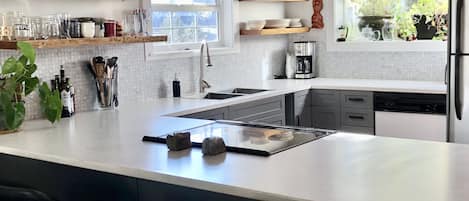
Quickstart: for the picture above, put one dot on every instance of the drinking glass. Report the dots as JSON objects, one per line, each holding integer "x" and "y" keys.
{"x": 22, "y": 26}
{"x": 54, "y": 26}
{"x": 45, "y": 28}
{"x": 36, "y": 28}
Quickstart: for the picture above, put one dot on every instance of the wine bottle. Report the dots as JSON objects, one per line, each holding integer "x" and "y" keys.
{"x": 72, "y": 95}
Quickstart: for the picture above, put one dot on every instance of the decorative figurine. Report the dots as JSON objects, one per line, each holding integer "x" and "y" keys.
{"x": 317, "y": 19}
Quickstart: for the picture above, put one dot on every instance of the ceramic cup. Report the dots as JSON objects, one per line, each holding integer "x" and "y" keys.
{"x": 87, "y": 29}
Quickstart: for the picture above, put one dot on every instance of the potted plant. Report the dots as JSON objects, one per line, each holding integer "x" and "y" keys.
{"x": 16, "y": 82}
{"x": 405, "y": 24}
{"x": 373, "y": 12}
{"x": 430, "y": 18}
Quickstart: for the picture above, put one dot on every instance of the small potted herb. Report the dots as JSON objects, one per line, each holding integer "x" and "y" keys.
{"x": 16, "y": 82}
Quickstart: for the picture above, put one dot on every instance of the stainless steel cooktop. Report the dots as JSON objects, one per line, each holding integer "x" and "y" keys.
{"x": 257, "y": 139}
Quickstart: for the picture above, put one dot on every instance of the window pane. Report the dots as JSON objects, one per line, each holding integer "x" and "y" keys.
{"x": 166, "y": 32}
{"x": 205, "y": 19}
{"x": 185, "y": 2}
{"x": 185, "y": 35}
{"x": 161, "y": 19}
{"x": 183, "y": 19}
{"x": 208, "y": 34}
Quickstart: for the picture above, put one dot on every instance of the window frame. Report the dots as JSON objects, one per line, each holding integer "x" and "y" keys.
{"x": 228, "y": 38}
{"x": 382, "y": 46}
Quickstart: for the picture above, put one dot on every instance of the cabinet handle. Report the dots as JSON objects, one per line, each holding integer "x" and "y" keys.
{"x": 297, "y": 120}
{"x": 356, "y": 99}
{"x": 356, "y": 117}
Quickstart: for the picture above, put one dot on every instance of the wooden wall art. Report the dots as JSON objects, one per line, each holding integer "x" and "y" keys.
{"x": 317, "y": 19}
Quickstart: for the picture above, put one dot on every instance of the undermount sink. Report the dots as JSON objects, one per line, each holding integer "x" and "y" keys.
{"x": 245, "y": 91}
{"x": 220, "y": 96}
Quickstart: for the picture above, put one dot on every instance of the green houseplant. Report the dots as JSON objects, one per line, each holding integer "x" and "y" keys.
{"x": 429, "y": 18}
{"x": 373, "y": 12}
{"x": 16, "y": 82}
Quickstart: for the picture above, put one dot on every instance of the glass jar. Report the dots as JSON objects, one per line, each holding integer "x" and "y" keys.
{"x": 22, "y": 27}
{"x": 388, "y": 30}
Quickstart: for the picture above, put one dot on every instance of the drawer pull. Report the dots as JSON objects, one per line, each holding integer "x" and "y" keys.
{"x": 356, "y": 99}
{"x": 356, "y": 117}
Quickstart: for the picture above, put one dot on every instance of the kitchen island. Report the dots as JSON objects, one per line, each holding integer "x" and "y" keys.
{"x": 335, "y": 168}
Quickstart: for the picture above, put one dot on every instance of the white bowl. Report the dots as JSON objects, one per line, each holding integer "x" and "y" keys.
{"x": 255, "y": 24}
{"x": 277, "y": 23}
{"x": 295, "y": 22}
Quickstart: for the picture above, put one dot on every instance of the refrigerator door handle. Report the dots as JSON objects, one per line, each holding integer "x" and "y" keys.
{"x": 457, "y": 87}
{"x": 458, "y": 24}
{"x": 446, "y": 74}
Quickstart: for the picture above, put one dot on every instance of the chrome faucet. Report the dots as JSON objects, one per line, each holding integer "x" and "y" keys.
{"x": 202, "y": 83}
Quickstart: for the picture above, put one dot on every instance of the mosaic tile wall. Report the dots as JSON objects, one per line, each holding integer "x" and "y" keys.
{"x": 259, "y": 58}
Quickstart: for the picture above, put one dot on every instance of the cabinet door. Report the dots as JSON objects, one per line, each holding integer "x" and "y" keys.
{"x": 256, "y": 110}
{"x": 216, "y": 114}
{"x": 328, "y": 98}
{"x": 326, "y": 117}
{"x": 302, "y": 109}
{"x": 275, "y": 120}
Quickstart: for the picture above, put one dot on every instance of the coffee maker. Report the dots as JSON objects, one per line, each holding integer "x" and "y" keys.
{"x": 305, "y": 57}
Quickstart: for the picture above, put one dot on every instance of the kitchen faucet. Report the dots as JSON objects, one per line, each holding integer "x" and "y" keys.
{"x": 202, "y": 83}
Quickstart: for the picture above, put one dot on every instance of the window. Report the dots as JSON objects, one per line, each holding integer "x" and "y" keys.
{"x": 387, "y": 25}
{"x": 391, "y": 20}
{"x": 188, "y": 22}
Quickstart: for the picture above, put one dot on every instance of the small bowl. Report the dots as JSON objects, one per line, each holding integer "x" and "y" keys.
{"x": 295, "y": 22}
{"x": 255, "y": 24}
{"x": 277, "y": 23}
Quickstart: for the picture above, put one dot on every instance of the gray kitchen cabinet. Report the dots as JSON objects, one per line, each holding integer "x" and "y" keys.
{"x": 215, "y": 114}
{"x": 269, "y": 110}
{"x": 298, "y": 109}
{"x": 257, "y": 111}
{"x": 325, "y": 117}
{"x": 357, "y": 113}
{"x": 350, "y": 111}
{"x": 325, "y": 109}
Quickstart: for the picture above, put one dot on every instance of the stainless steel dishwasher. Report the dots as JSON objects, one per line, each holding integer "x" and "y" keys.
{"x": 409, "y": 115}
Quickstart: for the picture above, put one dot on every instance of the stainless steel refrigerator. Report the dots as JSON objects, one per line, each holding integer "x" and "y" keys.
{"x": 458, "y": 72}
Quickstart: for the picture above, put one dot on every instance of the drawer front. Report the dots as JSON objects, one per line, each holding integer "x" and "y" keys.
{"x": 255, "y": 109}
{"x": 357, "y": 99}
{"x": 358, "y": 130}
{"x": 325, "y": 98}
{"x": 275, "y": 120}
{"x": 325, "y": 117}
{"x": 216, "y": 114}
{"x": 359, "y": 118}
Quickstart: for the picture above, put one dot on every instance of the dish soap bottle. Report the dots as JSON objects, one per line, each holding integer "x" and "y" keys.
{"x": 176, "y": 87}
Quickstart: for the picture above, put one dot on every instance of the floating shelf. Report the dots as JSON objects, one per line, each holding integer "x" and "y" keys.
{"x": 265, "y": 32}
{"x": 76, "y": 42}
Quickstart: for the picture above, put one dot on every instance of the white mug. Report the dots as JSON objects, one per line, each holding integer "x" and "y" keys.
{"x": 87, "y": 29}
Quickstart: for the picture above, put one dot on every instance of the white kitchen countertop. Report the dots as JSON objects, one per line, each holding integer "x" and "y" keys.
{"x": 338, "y": 167}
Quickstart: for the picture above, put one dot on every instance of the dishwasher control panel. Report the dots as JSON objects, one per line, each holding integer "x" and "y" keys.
{"x": 410, "y": 103}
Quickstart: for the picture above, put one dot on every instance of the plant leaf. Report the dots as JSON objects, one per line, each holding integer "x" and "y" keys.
{"x": 50, "y": 103}
{"x": 43, "y": 91}
{"x": 24, "y": 60}
{"x": 30, "y": 84}
{"x": 28, "y": 51}
{"x": 14, "y": 113}
{"x": 9, "y": 66}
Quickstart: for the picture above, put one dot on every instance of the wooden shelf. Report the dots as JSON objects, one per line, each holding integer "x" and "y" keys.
{"x": 76, "y": 42}
{"x": 265, "y": 32}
